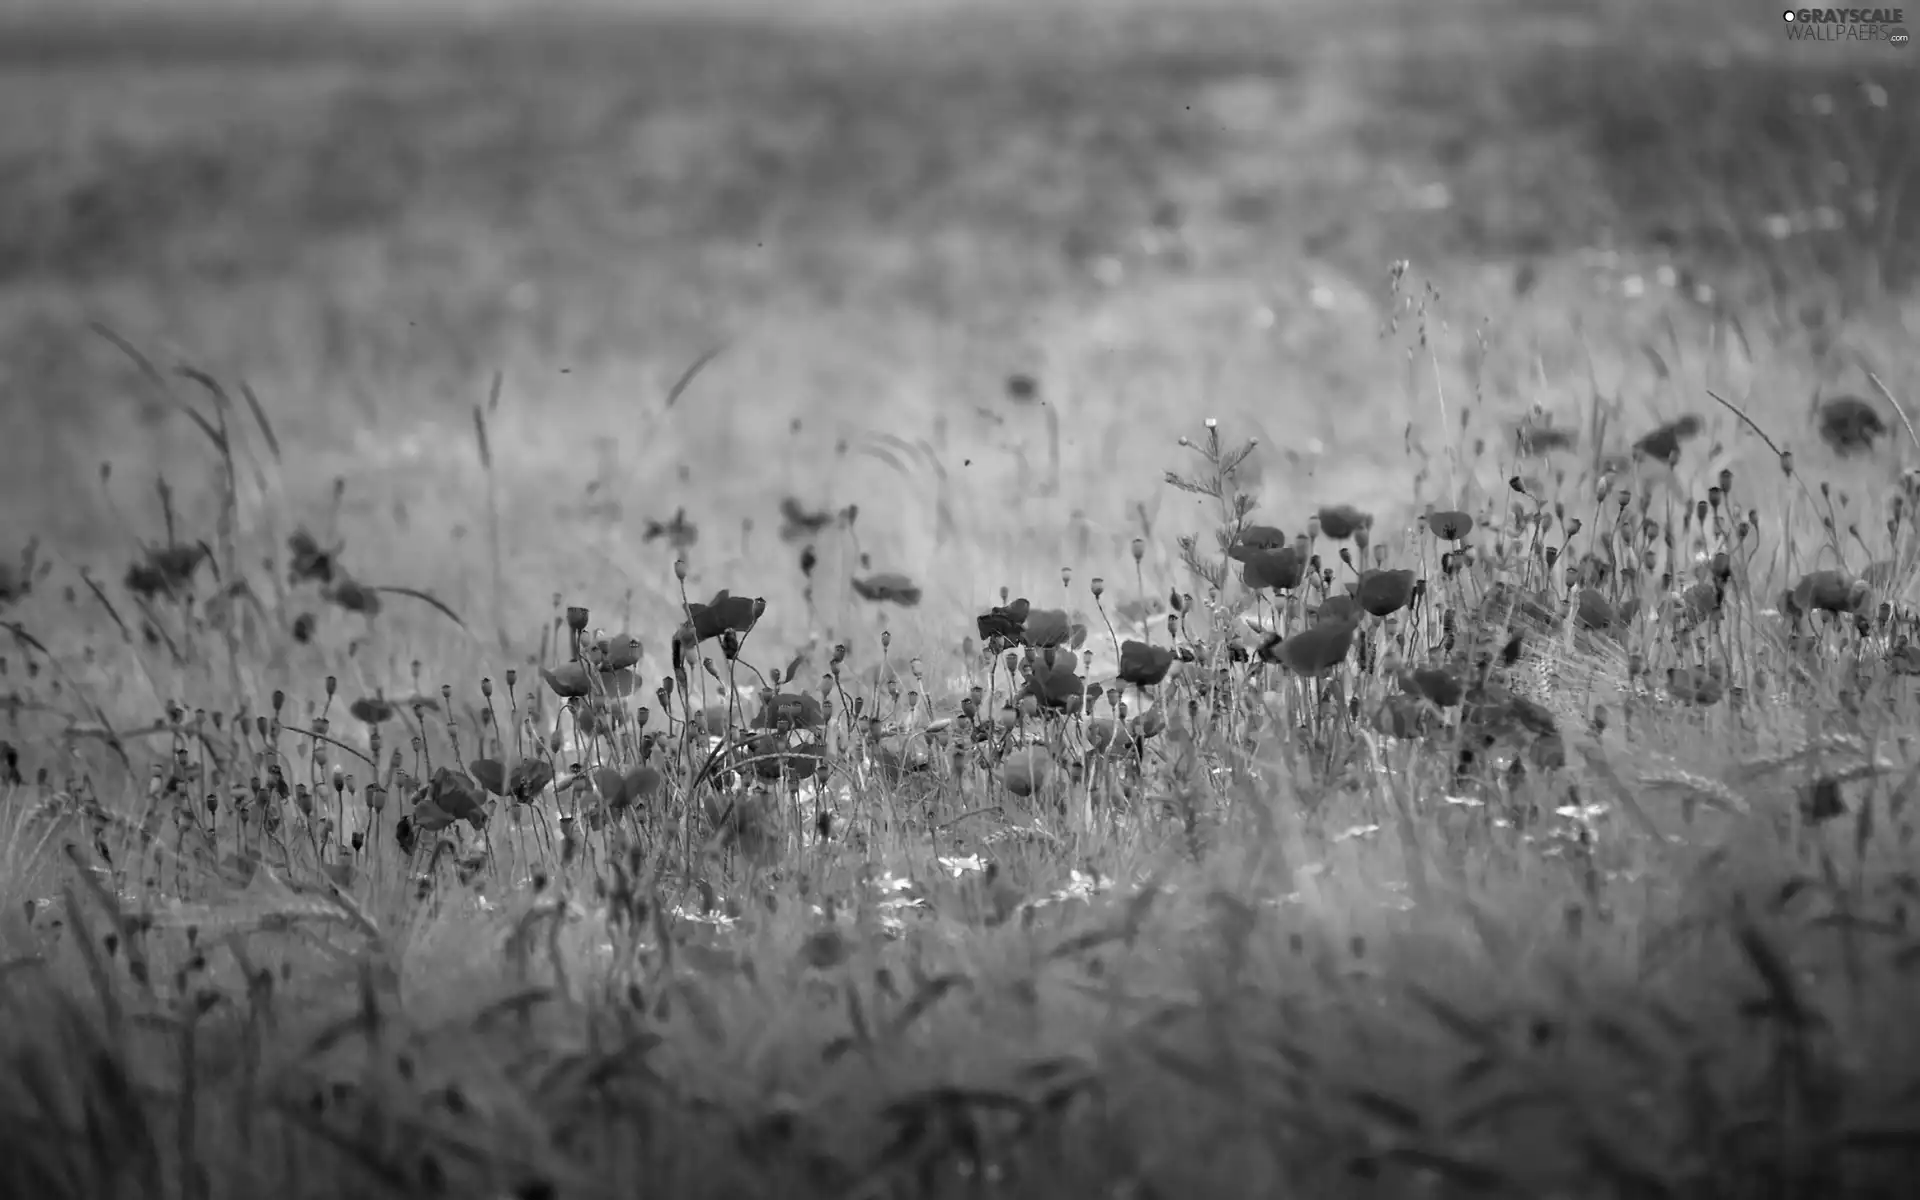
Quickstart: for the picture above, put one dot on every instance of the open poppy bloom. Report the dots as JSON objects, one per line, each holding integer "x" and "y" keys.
{"x": 724, "y": 613}
{"x": 1007, "y": 622}
{"x": 1143, "y": 665}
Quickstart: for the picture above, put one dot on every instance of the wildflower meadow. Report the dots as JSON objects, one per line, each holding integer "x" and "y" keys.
{"x": 1122, "y": 603}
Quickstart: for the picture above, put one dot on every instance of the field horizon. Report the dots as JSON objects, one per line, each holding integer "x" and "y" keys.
{"x": 1288, "y": 600}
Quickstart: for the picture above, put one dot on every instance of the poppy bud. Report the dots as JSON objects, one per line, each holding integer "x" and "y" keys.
{"x": 339, "y": 779}
{"x": 886, "y": 639}
{"x": 279, "y": 701}
{"x": 1066, "y": 577}
{"x": 332, "y": 685}
{"x": 513, "y": 677}
{"x": 576, "y": 618}
{"x": 1139, "y": 549}
{"x": 1098, "y": 587}
{"x": 486, "y": 687}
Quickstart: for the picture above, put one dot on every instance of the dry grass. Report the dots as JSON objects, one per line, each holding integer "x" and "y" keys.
{"x": 340, "y": 855}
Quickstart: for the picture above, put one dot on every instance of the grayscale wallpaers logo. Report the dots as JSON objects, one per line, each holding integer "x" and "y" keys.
{"x": 1887, "y": 25}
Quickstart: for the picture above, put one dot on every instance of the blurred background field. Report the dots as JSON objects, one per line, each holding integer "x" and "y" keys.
{"x": 878, "y": 214}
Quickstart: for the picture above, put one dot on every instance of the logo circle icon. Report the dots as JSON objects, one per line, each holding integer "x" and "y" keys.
{"x": 1789, "y": 16}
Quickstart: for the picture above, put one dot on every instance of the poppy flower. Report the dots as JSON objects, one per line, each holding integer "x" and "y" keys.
{"x": 1383, "y": 592}
{"x": 750, "y": 823}
{"x": 354, "y": 596}
{"x": 904, "y": 754}
{"x": 456, "y": 794}
{"x": 1822, "y": 800}
{"x": 1143, "y": 665}
{"x": 1533, "y": 716}
{"x": 1452, "y": 526}
{"x": 1313, "y": 651}
{"x": 1549, "y": 753}
{"x": 679, "y": 532}
{"x": 1048, "y": 627}
{"x": 1052, "y": 681}
{"x": 1150, "y": 723}
{"x": 798, "y": 522}
{"x": 889, "y": 587}
{"x": 1101, "y": 732}
{"x": 1696, "y": 685}
{"x": 371, "y": 710}
{"x": 799, "y": 710}
{"x": 1026, "y": 771}
{"x": 1439, "y": 685}
{"x": 1826, "y": 591}
{"x": 490, "y": 775}
{"x": 776, "y": 757}
{"x": 426, "y": 816}
{"x": 607, "y": 783}
{"x": 1255, "y": 538}
{"x": 1405, "y": 715}
{"x": 1593, "y": 611}
{"x": 165, "y": 569}
{"x": 617, "y": 684}
{"x": 568, "y": 680}
{"x": 615, "y": 651}
{"x": 1543, "y": 439}
{"x": 1282, "y": 569}
{"x": 640, "y": 784}
{"x": 1342, "y": 521}
{"x": 1663, "y": 444}
{"x": 1006, "y": 622}
{"x": 1339, "y": 608}
{"x": 724, "y": 613}
{"x": 1904, "y": 659}
{"x": 1699, "y": 602}
{"x": 529, "y": 777}
{"x": 1850, "y": 425}
{"x": 308, "y": 561}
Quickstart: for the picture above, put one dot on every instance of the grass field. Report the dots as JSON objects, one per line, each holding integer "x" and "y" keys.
{"x": 1048, "y": 824}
